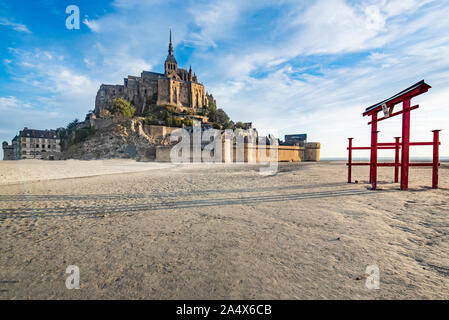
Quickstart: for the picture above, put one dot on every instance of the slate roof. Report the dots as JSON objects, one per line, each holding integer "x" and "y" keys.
{"x": 32, "y": 133}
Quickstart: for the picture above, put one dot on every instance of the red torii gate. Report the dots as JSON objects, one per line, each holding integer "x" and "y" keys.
{"x": 387, "y": 107}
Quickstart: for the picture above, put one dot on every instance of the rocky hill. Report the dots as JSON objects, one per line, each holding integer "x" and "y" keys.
{"x": 122, "y": 138}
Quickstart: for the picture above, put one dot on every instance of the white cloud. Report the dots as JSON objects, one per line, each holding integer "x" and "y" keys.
{"x": 16, "y": 26}
{"x": 335, "y": 26}
{"x": 133, "y": 3}
{"x": 12, "y": 103}
{"x": 92, "y": 25}
{"x": 215, "y": 20}
{"x": 374, "y": 18}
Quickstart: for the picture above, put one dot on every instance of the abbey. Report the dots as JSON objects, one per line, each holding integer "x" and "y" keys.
{"x": 176, "y": 87}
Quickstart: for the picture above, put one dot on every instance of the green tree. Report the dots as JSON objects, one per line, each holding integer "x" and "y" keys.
{"x": 83, "y": 134}
{"x": 222, "y": 118}
{"x": 240, "y": 125}
{"x": 151, "y": 119}
{"x": 177, "y": 122}
{"x": 188, "y": 122}
{"x": 218, "y": 117}
{"x": 122, "y": 107}
{"x": 211, "y": 111}
{"x": 72, "y": 125}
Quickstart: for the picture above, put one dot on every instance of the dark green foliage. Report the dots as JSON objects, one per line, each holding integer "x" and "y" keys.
{"x": 188, "y": 122}
{"x": 240, "y": 125}
{"x": 83, "y": 134}
{"x": 122, "y": 107}
{"x": 151, "y": 120}
{"x": 218, "y": 117}
{"x": 211, "y": 111}
{"x": 222, "y": 118}
{"x": 72, "y": 125}
{"x": 167, "y": 116}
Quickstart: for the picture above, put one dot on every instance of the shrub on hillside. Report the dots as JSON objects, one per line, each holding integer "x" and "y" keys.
{"x": 122, "y": 107}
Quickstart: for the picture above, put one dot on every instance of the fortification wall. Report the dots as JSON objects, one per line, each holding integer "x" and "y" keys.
{"x": 312, "y": 151}
{"x": 160, "y": 132}
{"x": 248, "y": 153}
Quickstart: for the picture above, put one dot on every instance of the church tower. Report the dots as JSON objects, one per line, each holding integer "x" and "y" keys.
{"x": 171, "y": 66}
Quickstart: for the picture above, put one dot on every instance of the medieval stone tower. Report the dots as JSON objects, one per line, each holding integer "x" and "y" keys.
{"x": 176, "y": 87}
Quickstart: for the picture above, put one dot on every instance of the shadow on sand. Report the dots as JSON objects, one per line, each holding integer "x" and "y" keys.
{"x": 162, "y": 201}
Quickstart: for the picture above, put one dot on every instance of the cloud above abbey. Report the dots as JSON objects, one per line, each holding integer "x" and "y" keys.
{"x": 298, "y": 66}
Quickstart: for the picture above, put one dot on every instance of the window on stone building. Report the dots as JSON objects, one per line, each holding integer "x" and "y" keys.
{"x": 37, "y": 146}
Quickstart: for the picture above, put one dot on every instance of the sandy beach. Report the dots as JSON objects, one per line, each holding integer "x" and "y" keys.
{"x": 162, "y": 231}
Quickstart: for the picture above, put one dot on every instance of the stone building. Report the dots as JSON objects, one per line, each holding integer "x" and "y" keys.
{"x": 33, "y": 144}
{"x": 8, "y": 151}
{"x": 295, "y": 139}
{"x": 175, "y": 87}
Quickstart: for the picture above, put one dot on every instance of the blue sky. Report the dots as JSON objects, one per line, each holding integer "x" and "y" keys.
{"x": 288, "y": 66}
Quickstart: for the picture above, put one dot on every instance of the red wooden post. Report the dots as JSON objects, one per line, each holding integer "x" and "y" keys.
{"x": 350, "y": 160}
{"x": 436, "y": 146}
{"x": 373, "y": 157}
{"x": 396, "y": 160}
{"x": 405, "y": 155}
{"x": 374, "y": 181}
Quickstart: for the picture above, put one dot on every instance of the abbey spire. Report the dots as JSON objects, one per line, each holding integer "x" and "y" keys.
{"x": 170, "y": 46}
{"x": 171, "y": 65}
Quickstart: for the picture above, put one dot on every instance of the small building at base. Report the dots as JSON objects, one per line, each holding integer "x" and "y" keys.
{"x": 33, "y": 144}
